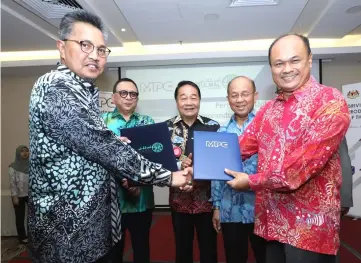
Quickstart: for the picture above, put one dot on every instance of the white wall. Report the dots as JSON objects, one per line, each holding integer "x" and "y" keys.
{"x": 338, "y": 73}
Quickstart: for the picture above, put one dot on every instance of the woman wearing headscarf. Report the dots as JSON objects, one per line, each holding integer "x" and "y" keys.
{"x": 19, "y": 177}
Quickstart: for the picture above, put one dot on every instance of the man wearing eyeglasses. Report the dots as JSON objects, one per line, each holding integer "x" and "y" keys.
{"x": 74, "y": 214}
{"x": 233, "y": 211}
{"x": 136, "y": 203}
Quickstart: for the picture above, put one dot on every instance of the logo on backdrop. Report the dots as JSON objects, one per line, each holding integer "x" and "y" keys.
{"x": 228, "y": 78}
{"x": 169, "y": 86}
{"x": 105, "y": 102}
{"x": 353, "y": 94}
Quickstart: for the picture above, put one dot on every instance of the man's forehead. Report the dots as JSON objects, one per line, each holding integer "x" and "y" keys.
{"x": 241, "y": 83}
{"x": 186, "y": 89}
{"x": 127, "y": 85}
{"x": 89, "y": 32}
{"x": 288, "y": 47}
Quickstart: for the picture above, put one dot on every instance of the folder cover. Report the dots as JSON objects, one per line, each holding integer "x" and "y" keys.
{"x": 154, "y": 143}
{"x": 213, "y": 152}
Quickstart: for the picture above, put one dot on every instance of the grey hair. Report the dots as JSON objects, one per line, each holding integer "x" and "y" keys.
{"x": 67, "y": 22}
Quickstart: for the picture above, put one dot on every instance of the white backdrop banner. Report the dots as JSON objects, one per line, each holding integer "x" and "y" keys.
{"x": 105, "y": 101}
{"x": 352, "y": 93}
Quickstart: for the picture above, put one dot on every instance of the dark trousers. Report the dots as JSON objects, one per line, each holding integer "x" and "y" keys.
{"x": 20, "y": 217}
{"x": 277, "y": 252}
{"x": 138, "y": 225}
{"x": 235, "y": 239}
{"x": 183, "y": 226}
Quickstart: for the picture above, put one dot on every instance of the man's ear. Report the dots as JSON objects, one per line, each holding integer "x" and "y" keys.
{"x": 255, "y": 97}
{"x": 61, "y": 47}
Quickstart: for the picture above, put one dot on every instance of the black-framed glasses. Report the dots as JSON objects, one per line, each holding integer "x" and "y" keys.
{"x": 88, "y": 47}
{"x": 124, "y": 94}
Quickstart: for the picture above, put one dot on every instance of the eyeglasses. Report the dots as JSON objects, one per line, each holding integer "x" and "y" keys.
{"x": 124, "y": 94}
{"x": 244, "y": 95}
{"x": 88, "y": 47}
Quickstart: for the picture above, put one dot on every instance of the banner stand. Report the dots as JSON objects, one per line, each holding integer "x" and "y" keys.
{"x": 352, "y": 94}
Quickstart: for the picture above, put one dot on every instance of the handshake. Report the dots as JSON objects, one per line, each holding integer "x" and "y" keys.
{"x": 181, "y": 179}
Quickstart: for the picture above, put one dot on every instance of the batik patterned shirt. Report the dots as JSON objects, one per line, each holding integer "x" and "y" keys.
{"x": 235, "y": 206}
{"x": 197, "y": 200}
{"x": 74, "y": 158}
{"x": 128, "y": 203}
{"x": 298, "y": 179}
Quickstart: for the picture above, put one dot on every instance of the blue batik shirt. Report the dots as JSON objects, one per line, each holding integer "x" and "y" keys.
{"x": 235, "y": 206}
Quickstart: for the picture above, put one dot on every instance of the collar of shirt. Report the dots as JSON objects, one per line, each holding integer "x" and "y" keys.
{"x": 85, "y": 83}
{"x": 179, "y": 118}
{"x": 117, "y": 114}
{"x": 63, "y": 68}
{"x": 302, "y": 91}
{"x": 233, "y": 121}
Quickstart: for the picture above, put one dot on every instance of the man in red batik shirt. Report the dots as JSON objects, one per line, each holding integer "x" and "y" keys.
{"x": 297, "y": 136}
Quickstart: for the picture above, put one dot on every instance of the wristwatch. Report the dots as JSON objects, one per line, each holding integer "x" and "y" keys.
{"x": 215, "y": 207}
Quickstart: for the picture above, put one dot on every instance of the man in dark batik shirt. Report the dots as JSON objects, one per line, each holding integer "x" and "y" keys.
{"x": 74, "y": 214}
{"x": 191, "y": 209}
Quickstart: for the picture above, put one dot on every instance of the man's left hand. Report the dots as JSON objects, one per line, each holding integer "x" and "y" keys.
{"x": 240, "y": 181}
{"x": 134, "y": 191}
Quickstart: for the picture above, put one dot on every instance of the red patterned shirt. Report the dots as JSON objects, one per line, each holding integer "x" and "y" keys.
{"x": 299, "y": 174}
{"x": 196, "y": 201}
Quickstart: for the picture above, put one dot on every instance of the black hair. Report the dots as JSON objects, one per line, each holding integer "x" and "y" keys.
{"x": 186, "y": 82}
{"x": 123, "y": 80}
{"x": 69, "y": 19}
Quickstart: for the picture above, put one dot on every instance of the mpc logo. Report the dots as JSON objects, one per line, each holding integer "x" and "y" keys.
{"x": 216, "y": 144}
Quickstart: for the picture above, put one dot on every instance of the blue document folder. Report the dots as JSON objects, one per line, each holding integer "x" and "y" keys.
{"x": 154, "y": 143}
{"x": 213, "y": 152}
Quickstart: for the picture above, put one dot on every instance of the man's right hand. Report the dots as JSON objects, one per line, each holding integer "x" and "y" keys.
{"x": 125, "y": 183}
{"x": 183, "y": 179}
{"x": 15, "y": 200}
{"x": 216, "y": 220}
{"x": 187, "y": 162}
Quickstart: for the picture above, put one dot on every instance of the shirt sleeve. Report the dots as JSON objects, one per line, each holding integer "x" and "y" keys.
{"x": 216, "y": 192}
{"x": 69, "y": 120}
{"x": 248, "y": 141}
{"x": 150, "y": 120}
{"x": 13, "y": 186}
{"x": 321, "y": 141}
{"x": 250, "y": 164}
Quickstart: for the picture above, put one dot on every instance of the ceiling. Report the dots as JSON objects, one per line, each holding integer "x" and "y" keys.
{"x": 153, "y": 22}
